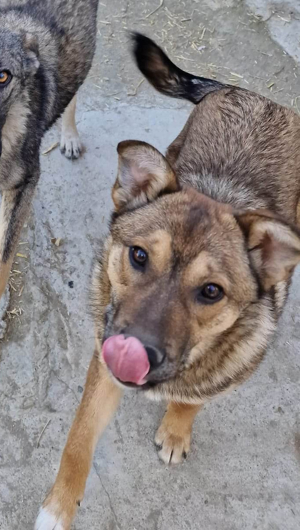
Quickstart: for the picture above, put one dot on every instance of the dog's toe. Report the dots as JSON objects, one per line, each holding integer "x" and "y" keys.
{"x": 71, "y": 146}
{"x": 172, "y": 448}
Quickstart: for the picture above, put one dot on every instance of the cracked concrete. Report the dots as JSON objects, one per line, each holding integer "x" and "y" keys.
{"x": 244, "y": 468}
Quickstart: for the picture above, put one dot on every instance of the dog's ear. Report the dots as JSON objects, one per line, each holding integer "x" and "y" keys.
{"x": 143, "y": 175}
{"x": 273, "y": 245}
{"x": 31, "y": 49}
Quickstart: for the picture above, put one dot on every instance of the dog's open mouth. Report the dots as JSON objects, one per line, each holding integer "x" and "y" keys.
{"x": 127, "y": 359}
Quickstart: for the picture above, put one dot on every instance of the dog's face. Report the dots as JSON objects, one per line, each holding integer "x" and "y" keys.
{"x": 181, "y": 269}
{"x": 18, "y": 63}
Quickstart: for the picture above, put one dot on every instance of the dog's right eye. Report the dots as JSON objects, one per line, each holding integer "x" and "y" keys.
{"x": 138, "y": 257}
{"x": 210, "y": 293}
{"x": 5, "y": 78}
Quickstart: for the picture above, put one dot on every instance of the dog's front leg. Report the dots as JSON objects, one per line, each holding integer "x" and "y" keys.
{"x": 99, "y": 402}
{"x": 15, "y": 207}
{"x": 173, "y": 437}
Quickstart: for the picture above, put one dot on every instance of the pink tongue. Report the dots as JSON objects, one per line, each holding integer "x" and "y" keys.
{"x": 126, "y": 358}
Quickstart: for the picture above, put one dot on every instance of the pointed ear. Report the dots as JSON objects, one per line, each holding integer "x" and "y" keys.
{"x": 273, "y": 245}
{"x": 31, "y": 47}
{"x": 143, "y": 174}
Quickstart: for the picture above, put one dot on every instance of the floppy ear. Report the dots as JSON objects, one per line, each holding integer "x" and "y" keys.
{"x": 274, "y": 246}
{"x": 31, "y": 48}
{"x": 143, "y": 174}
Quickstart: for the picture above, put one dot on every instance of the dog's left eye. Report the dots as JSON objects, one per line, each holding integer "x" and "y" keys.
{"x": 138, "y": 257}
{"x": 5, "y": 78}
{"x": 210, "y": 293}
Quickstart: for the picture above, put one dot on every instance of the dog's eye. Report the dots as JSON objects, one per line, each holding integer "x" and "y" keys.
{"x": 138, "y": 257}
{"x": 210, "y": 293}
{"x": 5, "y": 77}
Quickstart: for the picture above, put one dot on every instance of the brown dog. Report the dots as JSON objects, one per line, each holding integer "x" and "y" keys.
{"x": 195, "y": 271}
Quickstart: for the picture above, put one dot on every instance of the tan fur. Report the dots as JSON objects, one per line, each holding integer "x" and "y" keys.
{"x": 4, "y": 275}
{"x": 173, "y": 437}
{"x": 13, "y": 131}
{"x": 99, "y": 401}
{"x": 7, "y": 205}
{"x": 160, "y": 244}
{"x": 70, "y": 142}
{"x": 69, "y": 122}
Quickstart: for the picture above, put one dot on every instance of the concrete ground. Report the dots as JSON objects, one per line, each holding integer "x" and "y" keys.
{"x": 244, "y": 468}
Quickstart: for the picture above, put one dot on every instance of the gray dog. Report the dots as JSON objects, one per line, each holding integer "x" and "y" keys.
{"x": 47, "y": 47}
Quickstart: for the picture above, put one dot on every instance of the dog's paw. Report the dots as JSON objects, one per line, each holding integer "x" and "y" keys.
{"x": 57, "y": 513}
{"x": 48, "y": 521}
{"x": 172, "y": 445}
{"x": 70, "y": 144}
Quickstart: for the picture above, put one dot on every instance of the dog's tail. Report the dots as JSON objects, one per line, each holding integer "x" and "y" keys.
{"x": 165, "y": 76}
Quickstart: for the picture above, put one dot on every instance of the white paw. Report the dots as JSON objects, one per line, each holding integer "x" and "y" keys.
{"x": 70, "y": 144}
{"x": 47, "y": 521}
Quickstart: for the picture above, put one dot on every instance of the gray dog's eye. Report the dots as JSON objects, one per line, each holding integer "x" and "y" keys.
{"x": 138, "y": 257}
{"x": 5, "y": 78}
{"x": 210, "y": 293}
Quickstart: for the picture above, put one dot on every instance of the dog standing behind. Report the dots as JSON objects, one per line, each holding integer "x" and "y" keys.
{"x": 195, "y": 271}
{"x": 47, "y": 47}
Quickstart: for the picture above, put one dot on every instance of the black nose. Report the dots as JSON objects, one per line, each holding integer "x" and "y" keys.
{"x": 155, "y": 356}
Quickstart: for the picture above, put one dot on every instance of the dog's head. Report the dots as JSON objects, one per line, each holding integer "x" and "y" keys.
{"x": 18, "y": 64}
{"x": 180, "y": 270}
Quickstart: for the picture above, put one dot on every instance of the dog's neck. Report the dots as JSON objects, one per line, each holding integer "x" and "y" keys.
{"x": 15, "y": 126}
{"x": 223, "y": 190}
{"x": 13, "y": 135}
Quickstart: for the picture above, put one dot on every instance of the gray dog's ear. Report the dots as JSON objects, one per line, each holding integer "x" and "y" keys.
{"x": 144, "y": 173}
{"x": 273, "y": 245}
{"x": 31, "y": 49}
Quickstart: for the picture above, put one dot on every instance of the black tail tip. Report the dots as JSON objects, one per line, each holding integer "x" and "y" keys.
{"x": 144, "y": 49}
{"x": 151, "y": 60}
{"x": 140, "y": 41}
{"x": 164, "y": 75}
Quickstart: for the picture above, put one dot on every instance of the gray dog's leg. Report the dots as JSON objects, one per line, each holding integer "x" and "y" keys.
{"x": 70, "y": 143}
{"x": 15, "y": 207}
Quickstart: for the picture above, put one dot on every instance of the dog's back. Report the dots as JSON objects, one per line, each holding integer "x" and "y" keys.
{"x": 233, "y": 156}
{"x": 228, "y": 149}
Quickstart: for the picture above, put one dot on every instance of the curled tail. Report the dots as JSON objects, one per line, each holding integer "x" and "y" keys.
{"x": 165, "y": 76}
